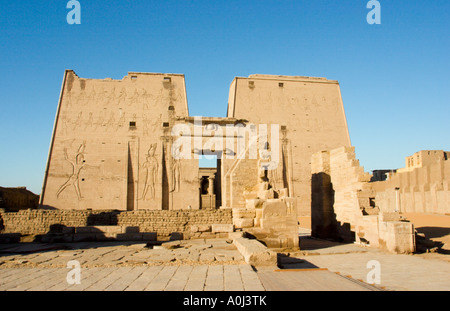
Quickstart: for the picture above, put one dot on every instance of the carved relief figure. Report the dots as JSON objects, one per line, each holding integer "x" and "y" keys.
{"x": 122, "y": 96}
{"x": 112, "y": 96}
{"x": 92, "y": 97}
{"x": 77, "y": 165}
{"x": 78, "y": 121}
{"x": 99, "y": 121}
{"x": 121, "y": 122}
{"x": 133, "y": 100}
{"x": 111, "y": 121}
{"x": 89, "y": 122}
{"x": 151, "y": 172}
{"x": 81, "y": 99}
{"x": 176, "y": 171}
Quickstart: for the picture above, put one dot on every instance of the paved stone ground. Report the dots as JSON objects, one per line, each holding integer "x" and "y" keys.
{"x": 138, "y": 278}
{"x": 213, "y": 265}
{"x": 418, "y": 272}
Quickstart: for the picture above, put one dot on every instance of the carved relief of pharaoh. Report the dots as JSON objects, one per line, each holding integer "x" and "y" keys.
{"x": 150, "y": 167}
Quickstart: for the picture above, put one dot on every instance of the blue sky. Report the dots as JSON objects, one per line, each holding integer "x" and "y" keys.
{"x": 394, "y": 77}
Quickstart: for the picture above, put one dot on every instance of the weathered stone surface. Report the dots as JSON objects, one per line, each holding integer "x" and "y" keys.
{"x": 253, "y": 203}
{"x": 266, "y": 194}
{"x": 207, "y": 257}
{"x": 152, "y": 225}
{"x": 243, "y": 222}
{"x": 235, "y": 235}
{"x": 222, "y": 228}
{"x": 243, "y": 212}
{"x": 172, "y": 245}
{"x": 255, "y": 253}
{"x": 342, "y": 195}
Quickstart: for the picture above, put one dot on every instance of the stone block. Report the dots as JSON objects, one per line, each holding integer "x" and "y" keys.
{"x": 207, "y": 257}
{"x": 389, "y": 216}
{"x": 204, "y": 228}
{"x": 172, "y": 245}
{"x": 130, "y": 229}
{"x": 244, "y": 212}
{"x": 149, "y": 236}
{"x": 258, "y": 216}
{"x": 283, "y": 193}
{"x": 248, "y": 195}
{"x": 253, "y": 203}
{"x": 208, "y": 235}
{"x": 242, "y": 223}
{"x": 222, "y": 228}
{"x": 400, "y": 237}
{"x": 194, "y": 229}
{"x": 174, "y": 236}
{"x": 129, "y": 236}
{"x": 255, "y": 253}
{"x": 235, "y": 235}
{"x": 266, "y": 194}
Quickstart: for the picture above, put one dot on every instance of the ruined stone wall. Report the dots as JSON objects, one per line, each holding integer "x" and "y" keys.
{"x": 344, "y": 206}
{"x": 337, "y": 181}
{"x": 423, "y": 189}
{"x": 311, "y": 117}
{"x": 163, "y": 223}
{"x": 15, "y": 199}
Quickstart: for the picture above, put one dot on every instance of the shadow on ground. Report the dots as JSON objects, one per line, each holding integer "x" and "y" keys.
{"x": 287, "y": 262}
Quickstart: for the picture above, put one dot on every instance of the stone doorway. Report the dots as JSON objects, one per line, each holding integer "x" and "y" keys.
{"x": 209, "y": 177}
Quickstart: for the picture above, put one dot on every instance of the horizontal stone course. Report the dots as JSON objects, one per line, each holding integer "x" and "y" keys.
{"x": 161, "y": 222}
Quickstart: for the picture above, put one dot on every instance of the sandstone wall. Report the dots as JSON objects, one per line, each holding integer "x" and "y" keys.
{"x": 15, "y": 199}
{"x": 423, "y": 189}
{"x": 194, "y": 223}
{"x": 111, "y": 145}
{"x": 344, "y": 205}
{"x": 311, "y": 117}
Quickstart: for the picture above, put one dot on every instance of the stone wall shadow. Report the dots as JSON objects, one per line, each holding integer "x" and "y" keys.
{"x": 109, "y": 218}
{"x": 1, "y": 223}
{"x": 432, "y": 232}
{"x": 324, "y": 223}
{"x": 286, "y": 262}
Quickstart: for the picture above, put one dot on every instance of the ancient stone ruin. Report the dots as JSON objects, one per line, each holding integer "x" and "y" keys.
{"x": 131, "y": 145}
{"x": 124, "y": 164}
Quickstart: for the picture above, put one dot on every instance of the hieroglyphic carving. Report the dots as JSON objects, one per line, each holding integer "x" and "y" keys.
{"x": 145, "y": 122}
{"x": 68, "y": 99}
{"x": 134, "y": 99}
{"x": 99, "y": 121}
{"x": 78, "y": 164}
{"x": 92, "y": 97}
{"x": 81, "y": 99}
{"x": 111, "y": 121}
{"x": 89, "y": 122}
{"x": 122, "y": 98}
{"x": 111, "y": 97}
{"x": 151, "y": 172}
{"x": 121, "y": 122}
{"x": 78, "y": 121}
{"x": 65, "y": 124}
{"x": 176, "y": 170}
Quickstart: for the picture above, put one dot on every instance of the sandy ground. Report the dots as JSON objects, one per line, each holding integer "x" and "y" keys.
{"x": 305, "y": 222}
{"x": 435, "y": 227}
